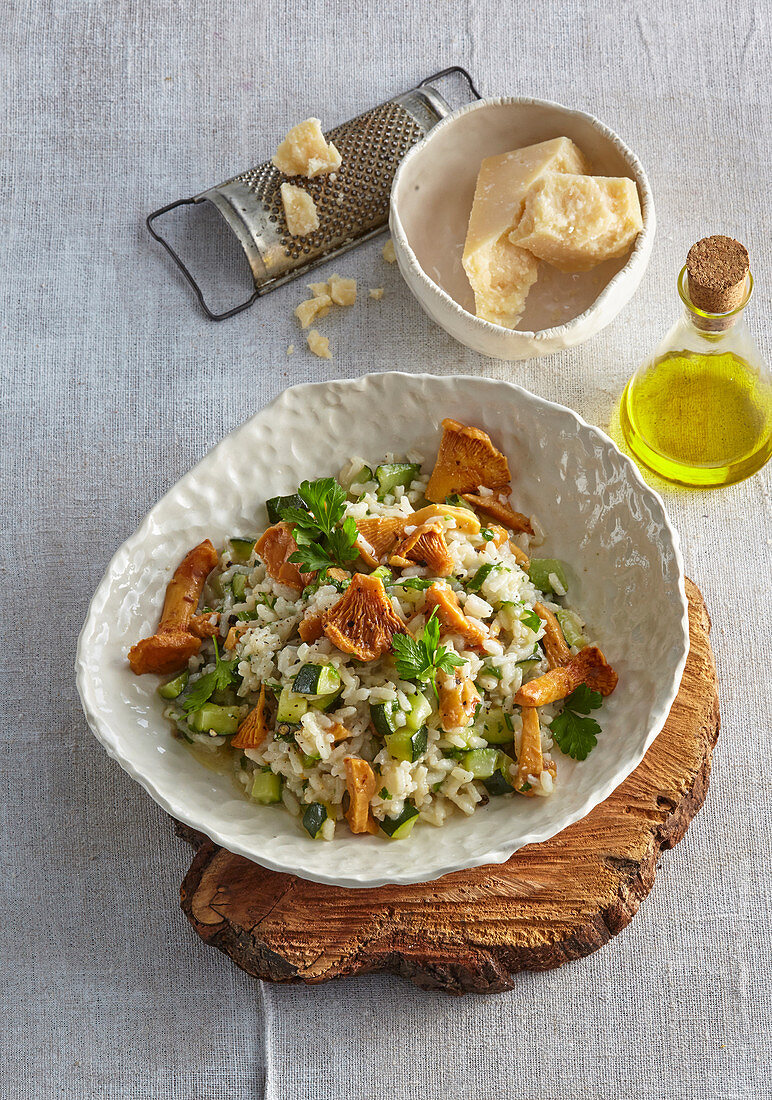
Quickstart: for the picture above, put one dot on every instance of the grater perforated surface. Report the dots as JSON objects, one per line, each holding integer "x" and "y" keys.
{"x": 352, "y": 201}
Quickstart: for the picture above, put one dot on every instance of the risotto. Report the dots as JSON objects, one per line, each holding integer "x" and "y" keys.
{"x": 388, "y": 650}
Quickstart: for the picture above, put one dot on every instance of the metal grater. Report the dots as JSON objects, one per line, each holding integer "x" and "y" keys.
{"x": 353, "y": 206}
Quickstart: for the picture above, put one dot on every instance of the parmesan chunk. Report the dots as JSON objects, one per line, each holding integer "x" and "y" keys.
{"x": 575, "y": 222}
{"x": 388, "y": 252}
{"x": 290, "y": 349}
{"x": 309, "y": 310}
{"x": 377, "y": 293}
{"x": 319, "y": 345}
{"x": 299, "y": 210}
{"x": 500, "y": 272}
{"x": 342, "y": 291}
{"x": 317, "y": 289}
{"x": 305, "y": 152}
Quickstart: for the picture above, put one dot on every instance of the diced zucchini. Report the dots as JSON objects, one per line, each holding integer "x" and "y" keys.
{"x": 400, "y": 827}
{"x": 172, "y": 688}
{"x": 325, "y": 702}
{"x": 407, "y": 744}
{"x": 214, "y": 719}
{"x": 241, "y": 549}
{"x": 225, "y": 697}
{"x": 482, "y": 574}
{"x": 382, "y": 717}
{"x": 292, "y": 707}
{"x": 420, "y": 709}
{"x": 383, "y": 574}
{"x": 482, "y": 763}
{"x": 313, "y": 819}
{"x": 497, "y": 727}
{"x": 527, "y": 667}
{"x": 266, "y": 788}
{"x": 362, "y": 476}
{"x": 239, "y": 587}
{"x": 316, "y": 680}
{"x": 392, "y": 474}
{"x": 499, "y": 781}
{"x": 539, "y": 570}
{"x": 308, "y": 760}
{"x": 458, "y": 502}
{"x": 572, "y": 627}
{"x": 275, "y": 504}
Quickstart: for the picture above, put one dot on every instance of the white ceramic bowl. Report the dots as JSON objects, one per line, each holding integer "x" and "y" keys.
{"x": 430, "y": 203}
{"x": 600, "y": 517}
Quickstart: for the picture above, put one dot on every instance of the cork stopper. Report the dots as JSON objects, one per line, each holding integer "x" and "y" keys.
{"x": 717, "y": 269}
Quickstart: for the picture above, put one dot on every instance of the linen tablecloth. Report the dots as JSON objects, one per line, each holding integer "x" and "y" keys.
{"x": 113, "y": 385}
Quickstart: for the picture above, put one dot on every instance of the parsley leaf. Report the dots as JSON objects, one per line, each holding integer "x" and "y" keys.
{"x": 533, "y": 622}
{"x": 577, "y": 736}
{"x": 384, "y": 794}
{"x": 419, "y": 583}
{"x": 584, "y": 699}
{"x": 221, "y": 677}
{"x": 311, "y": 558}
{"x": 324, "y": 537}
{"x": 326, "y": 501}
{"x": 420, "y": 659}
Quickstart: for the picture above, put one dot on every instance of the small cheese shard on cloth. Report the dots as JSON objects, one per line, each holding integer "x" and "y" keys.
{"x": 299, "y": 210}
{"x": 575, "y": 222}
{"x": 338, "y": 289}
{"x": 342, "y": 291}
{"x": 502, "y": 273}
{"x": 318, "y": 306}
{"x": 318, "y": 344}
{"x": 305, "y": 152}
{"x": 388, "y": 253}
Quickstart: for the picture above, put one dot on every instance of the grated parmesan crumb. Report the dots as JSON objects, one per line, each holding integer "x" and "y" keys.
{"x": 319, "y": 345}
{"x": 312, "y": 308}
{"x": 290, "y": 349}
{"x": 388, "y": 252}
{"x": 376, "y": 292}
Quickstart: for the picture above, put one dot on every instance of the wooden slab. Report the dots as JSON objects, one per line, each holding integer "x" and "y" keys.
{"x": 472, "y": 930}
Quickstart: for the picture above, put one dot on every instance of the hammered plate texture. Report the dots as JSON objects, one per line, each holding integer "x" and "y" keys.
{"x": 600, "y": 517}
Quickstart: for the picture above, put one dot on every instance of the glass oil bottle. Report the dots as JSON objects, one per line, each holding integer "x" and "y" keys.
{"x": 699, "y": 411}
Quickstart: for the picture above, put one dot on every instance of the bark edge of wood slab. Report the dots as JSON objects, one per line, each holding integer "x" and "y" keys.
{"x": 471, "y": 931}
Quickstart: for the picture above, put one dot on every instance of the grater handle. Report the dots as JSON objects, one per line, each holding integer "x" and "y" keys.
{"x": 447, "y": 72}
{"x": 181, "y": 265}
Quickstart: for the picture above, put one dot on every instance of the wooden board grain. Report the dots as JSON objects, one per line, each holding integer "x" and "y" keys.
{"x": 472, "y": 930}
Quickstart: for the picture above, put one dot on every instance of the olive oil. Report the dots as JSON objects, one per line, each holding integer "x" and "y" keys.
{"x": 699, "y": 411}
{"x": 699, "y": 419}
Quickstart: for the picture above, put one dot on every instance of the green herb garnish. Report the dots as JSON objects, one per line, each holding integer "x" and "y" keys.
{"x": 482, "y": 574}
{"x": 324, "y": 537}
{"x": 487, "y": 534}
{"x": 531, "y": 620}
{"x": 220, "y": 678}
{"x": 421, "y": 658}
{"x": 577, "y": 736}
{"x": 384, "y": 794}
{"x": 419, "y": 583}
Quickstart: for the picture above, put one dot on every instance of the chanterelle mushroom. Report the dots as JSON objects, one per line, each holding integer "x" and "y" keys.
{"x": 169, "y": 649}
{"x": 466, "y": 459}
{"x": 363, "y": 622}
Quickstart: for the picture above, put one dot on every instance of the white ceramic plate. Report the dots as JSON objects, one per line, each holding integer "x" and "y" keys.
{"x": 430, "y": 203}
{"x": 600, "y": 517}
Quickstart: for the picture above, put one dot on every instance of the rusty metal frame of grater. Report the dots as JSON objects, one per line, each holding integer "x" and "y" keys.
{"x": 353, "y": 206}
